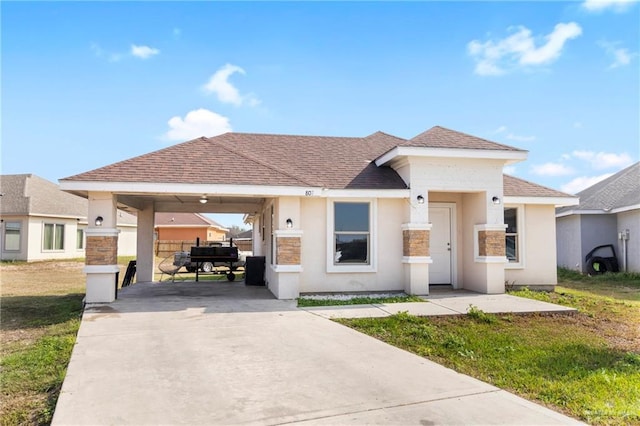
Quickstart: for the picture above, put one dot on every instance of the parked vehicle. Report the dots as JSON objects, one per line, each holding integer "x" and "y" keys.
{"x": 183, "y": 258}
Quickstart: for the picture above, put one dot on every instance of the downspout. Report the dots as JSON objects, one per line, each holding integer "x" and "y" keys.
{"x": 624, "y": 236}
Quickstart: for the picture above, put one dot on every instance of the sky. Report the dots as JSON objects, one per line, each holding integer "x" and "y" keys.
{"x": 88, "y": 84}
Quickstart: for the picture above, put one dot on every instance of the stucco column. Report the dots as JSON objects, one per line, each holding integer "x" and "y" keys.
{"x": 102, "y": 248}
{"x": 145, "y": 256}
{"x": 288, "y": 249}
{"x": 415, "y": 244}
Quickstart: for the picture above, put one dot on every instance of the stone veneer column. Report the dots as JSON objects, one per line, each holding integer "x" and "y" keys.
{"x": 489, "y": 249}
{"x": 416, "y": 257}
{"x": 101, "y": 253}
{"x": 288, "y": 263}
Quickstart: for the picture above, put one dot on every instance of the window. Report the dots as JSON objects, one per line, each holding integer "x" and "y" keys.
{"x": 351, "y": 242}
{"x": 511, "y": 238}
{"x": 12, "y": 236}
{"x": 53, "y": 237}
{"x": 80, "y": 239}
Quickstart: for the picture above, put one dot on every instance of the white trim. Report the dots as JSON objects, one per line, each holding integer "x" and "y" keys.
{"x": 101, "y": 269}
{"x": 413, "y": 151}
{"x": 491, "y": 259}
{"x": 416, "y": 226}
{"x": 101, "y": 232}
{"x": 286, "y": 268}
{"x": 366, "y": 193}
{"x": 288, "y": 233}
{"x": 57, "y": 216}
{"x": 488, "y": 227}
{"x": 556, "y": 201}
{"x": 373, "y": 246}
{"x": 599, "y": 211}
{"x": 417, "y": 259}
{"x": 521, "y": 224}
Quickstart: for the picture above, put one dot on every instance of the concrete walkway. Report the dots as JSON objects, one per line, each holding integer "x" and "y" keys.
{"x": 446, "y": 303}
{"x": 202, "y": 354}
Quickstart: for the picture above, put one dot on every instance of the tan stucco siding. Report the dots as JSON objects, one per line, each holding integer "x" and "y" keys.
{"x": 539, "y": 239}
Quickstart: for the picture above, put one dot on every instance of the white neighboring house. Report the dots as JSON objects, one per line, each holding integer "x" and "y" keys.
{"x": 608, "y": 213}
{"x": 41, "y": 222}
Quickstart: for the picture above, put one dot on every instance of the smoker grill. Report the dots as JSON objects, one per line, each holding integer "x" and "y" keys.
{"x": 215, "y": 254}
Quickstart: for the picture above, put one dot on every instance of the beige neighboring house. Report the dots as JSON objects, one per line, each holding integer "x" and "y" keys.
{"x": 41, "y": 222}
{"x": 343, "y": 214}
{"x": 188, "y": 227}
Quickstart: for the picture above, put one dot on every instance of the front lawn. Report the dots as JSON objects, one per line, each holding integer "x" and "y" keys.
{"x": 586, "y": 365}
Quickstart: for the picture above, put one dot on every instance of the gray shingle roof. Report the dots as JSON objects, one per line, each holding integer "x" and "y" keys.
{"x": 617, "y": 191}
{"x": 29, "y": 194}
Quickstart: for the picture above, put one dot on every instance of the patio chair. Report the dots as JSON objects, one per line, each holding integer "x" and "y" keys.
{"x": 170, "y": 267}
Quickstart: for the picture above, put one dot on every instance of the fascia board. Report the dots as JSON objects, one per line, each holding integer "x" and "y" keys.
{"x": 184, "y": 188}
{"x": 413, "y": 151}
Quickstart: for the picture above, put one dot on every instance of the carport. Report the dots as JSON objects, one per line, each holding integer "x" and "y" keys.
{"x": 101, "y": 234}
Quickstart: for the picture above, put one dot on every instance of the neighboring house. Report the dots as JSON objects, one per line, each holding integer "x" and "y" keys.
{"x": 41, "y": 222}
{"x": 188, "y": 226}
{"x": 608, "y": 213}
{"x": 344, "y": 214}
{"x": 244, "y": 241}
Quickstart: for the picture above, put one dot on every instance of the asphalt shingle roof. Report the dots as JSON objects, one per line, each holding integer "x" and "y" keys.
{"x": 29, "y": 194}
{"x": 516, "y": 187}
{"x": 182, "y": 219}
{"x": 617, "y": 191}
{"x": 290, "y": 160}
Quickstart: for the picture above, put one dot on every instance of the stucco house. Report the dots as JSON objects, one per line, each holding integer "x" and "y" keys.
{"x": 608, "y": 213}
{"x": 41, "y": 222}
{"x": 341, "y": 214}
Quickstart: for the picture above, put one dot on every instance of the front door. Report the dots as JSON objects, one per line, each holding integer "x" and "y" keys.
{"x": 440, "y": 244}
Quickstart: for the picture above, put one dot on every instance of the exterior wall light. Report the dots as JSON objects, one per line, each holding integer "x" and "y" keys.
{"x": 420, "y": 199}
{"x": 289, "y": 223}
{"x": 203, "y": 199}
{"x": 99, "y": 221}
{"x": 495, "y": 200}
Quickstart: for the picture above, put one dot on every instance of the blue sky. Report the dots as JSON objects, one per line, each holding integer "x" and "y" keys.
{"x": 88, "y": 84}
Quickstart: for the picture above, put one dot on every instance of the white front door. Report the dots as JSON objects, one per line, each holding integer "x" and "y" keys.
{"x": 440, "y": 245}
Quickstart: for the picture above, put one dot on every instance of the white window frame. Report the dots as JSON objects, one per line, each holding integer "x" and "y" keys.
{"x": 4, "y": 236}
{"x": 520, "y": 237}
{"x": 372, "y": 266}
{"x": 83, "y": 241}
{"x": 55, "y": 225}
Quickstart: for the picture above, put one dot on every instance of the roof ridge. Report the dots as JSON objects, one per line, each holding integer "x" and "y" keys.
{"x": 288, "y": 135}
{"x": 261, "y": 162}
{"x": 470, "y": 136}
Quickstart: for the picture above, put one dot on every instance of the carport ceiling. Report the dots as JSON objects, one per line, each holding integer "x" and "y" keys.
{"x": 190, "y": 203}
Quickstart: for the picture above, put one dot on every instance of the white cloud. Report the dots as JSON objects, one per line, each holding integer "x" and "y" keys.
{"x": 519, "y": 49}
{"x": 196, "y": 123}
{"x": 604, "y": 160}
{"x": 552, "y": 169}
{"x": 500, "y": 129}
{"x": 520, "y": 138}
{"x": 226, "y": 92}
{"x": 621, "y": 55}
{"x": 601, "y": 5}
{"x": 578, "y": 184}
{"x": 143, "y": 52}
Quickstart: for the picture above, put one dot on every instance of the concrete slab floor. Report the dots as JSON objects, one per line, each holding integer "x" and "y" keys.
{"x": 210, "y": 358}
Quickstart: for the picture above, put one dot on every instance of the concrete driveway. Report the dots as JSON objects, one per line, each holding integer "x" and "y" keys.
{"x": 196, "y": 353}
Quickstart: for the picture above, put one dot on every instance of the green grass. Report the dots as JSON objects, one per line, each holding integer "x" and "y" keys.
{"x": 586, "y": 365}
{"x": 33, "y": 369}
{"x": 307, "y": 302}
